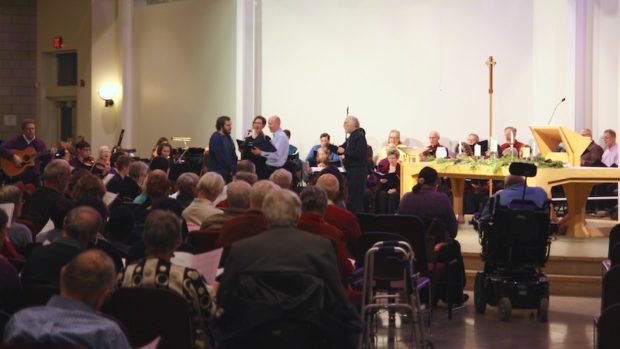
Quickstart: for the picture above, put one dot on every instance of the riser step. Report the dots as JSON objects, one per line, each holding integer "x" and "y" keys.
{"x": 561, "y": 285}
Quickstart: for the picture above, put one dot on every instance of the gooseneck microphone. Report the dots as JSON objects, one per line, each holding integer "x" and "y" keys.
{"x": 554, "y": 109}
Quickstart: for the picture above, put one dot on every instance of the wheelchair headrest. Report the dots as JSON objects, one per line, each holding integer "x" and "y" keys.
{"x": 522, "y": 169}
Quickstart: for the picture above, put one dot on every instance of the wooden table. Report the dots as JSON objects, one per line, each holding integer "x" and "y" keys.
{"x": 577, "y": 183}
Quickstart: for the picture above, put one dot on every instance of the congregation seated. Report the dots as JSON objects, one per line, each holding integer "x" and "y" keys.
{"x": 238, "y": 199}
{"x": 131, "y": 186}
{"x": 19, "y": 234}
{"x": 56, "y": 176}
{"x": 426, "y": 202}
{"x": 339, "y": 217}
{"x": 252, "y": 221}
{"x": 388, "y": 194}
{"x": 157, "y": 188}
{"x": 120, "y": 227}
{"x": 274, "y": 251}
{"x": 71, "y": 318}
{"x": 10, "y": 286}
{"x": 80, "y": 229}
{"x": 209, "y": 187}
{"x": 313, "y": 206}
{"x": 162, "y": 235}
{"x": 186, "y": 186}
{"x": 121, "y": 165}
{"x": 283, "y": 178}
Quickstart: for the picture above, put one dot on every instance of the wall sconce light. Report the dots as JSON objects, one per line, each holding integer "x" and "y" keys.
{"x": 107, "y": 93}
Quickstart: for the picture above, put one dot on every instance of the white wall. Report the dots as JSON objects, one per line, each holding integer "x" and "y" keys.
{"x": 606, "y": 66}
{"x": 416, "y": 66}
{"x": 184, "y": 70}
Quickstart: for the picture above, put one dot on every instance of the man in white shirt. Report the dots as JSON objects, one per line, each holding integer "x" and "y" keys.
{"x": 277, "y": 159}
{"x": 610, "y": 155}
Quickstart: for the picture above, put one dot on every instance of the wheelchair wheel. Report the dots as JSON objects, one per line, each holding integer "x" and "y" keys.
{"x": 504, "y": 309}
{"x": 480, "y": 294}
{"x": 543, "y": 310}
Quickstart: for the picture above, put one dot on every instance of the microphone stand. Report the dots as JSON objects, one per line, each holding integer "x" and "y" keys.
{"x": 554, "y": 109}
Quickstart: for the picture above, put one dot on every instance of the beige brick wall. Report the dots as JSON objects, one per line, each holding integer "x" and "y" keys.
{"x": 17, "y": 62}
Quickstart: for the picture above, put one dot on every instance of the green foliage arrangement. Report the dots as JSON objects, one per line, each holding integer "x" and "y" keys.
{"x": 492, "y": 165}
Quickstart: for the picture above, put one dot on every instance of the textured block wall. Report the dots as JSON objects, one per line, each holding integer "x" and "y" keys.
{"x": 17, "y": 63}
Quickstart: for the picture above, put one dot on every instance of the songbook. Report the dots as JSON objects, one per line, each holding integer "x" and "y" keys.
{"x": 319, "y": 169}
{"x": 393, "y": 179}
{"x": 206, "y": 263}
{"x": 262, "y": 144}
{"x": 8, "y": 209}
{"x": 108, "y": 198}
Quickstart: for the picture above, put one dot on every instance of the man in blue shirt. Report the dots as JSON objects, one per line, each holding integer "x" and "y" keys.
{"x": 324, "y": 143}
{"x": 72, "y": 318}
{"x": 222, "y": 156}
{"x": 276, "y": 159}
{"x": 513, "y": 190}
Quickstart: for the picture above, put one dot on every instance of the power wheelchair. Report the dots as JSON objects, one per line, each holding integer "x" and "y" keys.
{"x": 515, "y": 242}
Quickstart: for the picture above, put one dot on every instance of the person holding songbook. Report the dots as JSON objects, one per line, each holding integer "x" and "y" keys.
{"x": 388, "y": 171}
{"x": 255, "y": 135}
{"x": 394, "y": 142}
{"x": 433, "y": 147}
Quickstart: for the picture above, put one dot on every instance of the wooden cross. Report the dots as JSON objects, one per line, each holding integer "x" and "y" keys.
{"x": 490, "y": 62}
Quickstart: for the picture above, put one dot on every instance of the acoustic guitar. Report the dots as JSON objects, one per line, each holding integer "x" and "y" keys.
{"x": 28, "y": 155}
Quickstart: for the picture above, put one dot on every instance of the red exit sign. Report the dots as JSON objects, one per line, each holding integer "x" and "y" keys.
{"x": 58, "y": 42}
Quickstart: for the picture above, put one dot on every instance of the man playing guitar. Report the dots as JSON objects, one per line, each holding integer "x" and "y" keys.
{"x": 24, "y": 154}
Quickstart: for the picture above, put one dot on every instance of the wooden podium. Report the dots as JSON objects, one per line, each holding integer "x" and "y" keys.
{"x": 549, "y": 137}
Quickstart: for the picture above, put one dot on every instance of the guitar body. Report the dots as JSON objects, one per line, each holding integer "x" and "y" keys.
{"x": 29, "y": 155}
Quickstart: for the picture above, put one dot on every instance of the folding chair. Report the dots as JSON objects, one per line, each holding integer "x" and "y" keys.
{"x": 204, "y": 240}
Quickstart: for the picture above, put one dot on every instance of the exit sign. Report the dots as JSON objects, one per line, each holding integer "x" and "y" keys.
{"x": 58, "y": 42}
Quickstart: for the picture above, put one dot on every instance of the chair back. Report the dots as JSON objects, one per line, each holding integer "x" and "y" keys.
{"x": 607, "y": 334}
{"x": 611, "y": 288}
{"x": 4, "y": 319}
{"x": 38, "y": 294}
{"x": 615, "y": 255}
{"x": 204, "y": 240}
{"x": 614, "y": 238}
{"x": 519, "y": 235}
{"x": 412, "y": 228}
{"x": 148, "y": 313}
{"x": 367, "y": 221}
{"x": 272, "y": 309}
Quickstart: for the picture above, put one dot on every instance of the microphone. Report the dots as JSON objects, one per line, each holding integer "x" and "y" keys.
{"x": 554, "y": 109}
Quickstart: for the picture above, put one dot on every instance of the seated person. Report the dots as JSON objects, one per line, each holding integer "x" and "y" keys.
{"x": 388, "y": 194}
{"x": 512, "y": 145}
{"x": 513, "y": 190}
{"x": 274, "y": 250}
{"x": 394, "y": 142}
{"x": 431, "y": 149}
{"x": 324, "y": 143}
{"x": 83, "y": 158}
{"x": 79, "y": 230}
{"x": 427, "y": 203}
{"x": 71, "y": 318}
{"x": 593, "y": 154}
{"x": 610, "y": 156}
{"x": 162, "y": 235}
{"x": 210, "y": 185}
{"x": 10, "y": 288}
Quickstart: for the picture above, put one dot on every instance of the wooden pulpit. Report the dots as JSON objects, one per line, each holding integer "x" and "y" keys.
{"x": 549, "y": 137}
